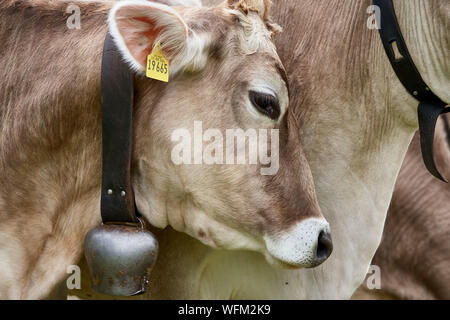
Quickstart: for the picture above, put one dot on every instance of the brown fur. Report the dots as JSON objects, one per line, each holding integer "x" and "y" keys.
{"x": 350, "y": 107}
{"x": 50, "y": 141}
{"x": 47, "y": 191}
{"x": 414, "y": 256}
{"x": 262, "y": 7}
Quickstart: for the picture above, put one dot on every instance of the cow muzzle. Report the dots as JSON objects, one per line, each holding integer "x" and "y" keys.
{"x": 307, "y": 245}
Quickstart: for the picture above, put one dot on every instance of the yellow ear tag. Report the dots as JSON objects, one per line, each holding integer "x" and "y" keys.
{"x": 157, "y": 65}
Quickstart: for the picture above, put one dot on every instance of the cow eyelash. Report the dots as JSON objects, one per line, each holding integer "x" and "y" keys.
{"x": 266, "y": 104}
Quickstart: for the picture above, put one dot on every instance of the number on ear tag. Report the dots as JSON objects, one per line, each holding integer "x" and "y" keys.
{"x": 157, "y": 65}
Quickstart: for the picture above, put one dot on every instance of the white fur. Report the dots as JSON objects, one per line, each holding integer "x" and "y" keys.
{"x": 298, "y": 246}
{"x": 182, "y": 3}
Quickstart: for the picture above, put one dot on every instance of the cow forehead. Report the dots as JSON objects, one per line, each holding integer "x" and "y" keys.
{"x": 252, "y": 33}
{"x": 232, "y": 30}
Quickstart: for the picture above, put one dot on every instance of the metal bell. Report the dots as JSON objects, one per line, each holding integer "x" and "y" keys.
{"x": 120, "y": 258}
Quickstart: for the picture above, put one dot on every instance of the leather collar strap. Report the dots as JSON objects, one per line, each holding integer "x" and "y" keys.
{"x": 430, "y": 107}
{"x": 117, "y": 200}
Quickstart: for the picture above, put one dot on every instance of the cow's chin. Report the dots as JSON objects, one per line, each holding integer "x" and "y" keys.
{"x": 279, "y": 264}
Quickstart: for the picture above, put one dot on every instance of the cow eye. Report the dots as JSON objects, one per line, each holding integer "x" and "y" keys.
{"x": 266, "y": 104}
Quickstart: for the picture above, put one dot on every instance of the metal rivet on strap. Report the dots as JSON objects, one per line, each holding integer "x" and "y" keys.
{"x": 123, "y": 193}
{"x": 110, "y": 192}
{"x": 415, "y": 93}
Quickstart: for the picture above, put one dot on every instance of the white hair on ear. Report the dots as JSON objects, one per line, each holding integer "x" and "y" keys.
{"x": 181, "y": 3}
{"x": 170, "y": 3}
{"x": 183, "y": 47}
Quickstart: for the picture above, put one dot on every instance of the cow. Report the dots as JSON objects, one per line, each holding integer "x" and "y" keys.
{"x": 414, "y": 255}
{"x": 225, "y": 72}
{"x": 356, "y": 121}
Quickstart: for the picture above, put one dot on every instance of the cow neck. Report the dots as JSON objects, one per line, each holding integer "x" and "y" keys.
{"x": 430, "y": 105}
{"x": 117, "y": 199}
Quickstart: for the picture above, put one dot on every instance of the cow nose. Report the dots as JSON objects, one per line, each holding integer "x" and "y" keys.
{"x": 305, "y": 245}
{"x": 324, "y": 247}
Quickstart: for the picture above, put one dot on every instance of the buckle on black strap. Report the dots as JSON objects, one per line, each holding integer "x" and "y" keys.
{"x": 430, "y": 107}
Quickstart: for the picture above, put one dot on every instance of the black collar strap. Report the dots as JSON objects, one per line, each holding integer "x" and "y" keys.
{"x": 117, "y": 202}
{"x": 430, "y": 107}
{"x": 120, "y": 253}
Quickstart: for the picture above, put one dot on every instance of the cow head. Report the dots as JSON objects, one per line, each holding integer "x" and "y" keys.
{"x": 225, "y": 76}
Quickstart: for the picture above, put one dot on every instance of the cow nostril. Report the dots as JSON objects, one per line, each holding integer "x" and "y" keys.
{"x": 324, "y": 246}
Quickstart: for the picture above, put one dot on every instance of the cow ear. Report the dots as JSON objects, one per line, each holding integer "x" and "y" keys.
{"x": 138, "y": 26}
